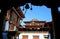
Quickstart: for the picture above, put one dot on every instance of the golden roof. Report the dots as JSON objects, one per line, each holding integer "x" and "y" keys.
{"x": 34, "y": 19}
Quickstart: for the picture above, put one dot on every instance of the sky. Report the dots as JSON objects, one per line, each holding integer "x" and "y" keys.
{"x": 41, "y": 13}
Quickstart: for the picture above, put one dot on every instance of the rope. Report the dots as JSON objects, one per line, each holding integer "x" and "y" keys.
{"x": 25, "y": 12}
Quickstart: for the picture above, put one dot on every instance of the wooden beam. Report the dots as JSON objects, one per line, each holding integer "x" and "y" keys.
{"x": 16, "y": 12}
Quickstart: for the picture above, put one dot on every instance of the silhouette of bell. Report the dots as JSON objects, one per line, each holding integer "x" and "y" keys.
{"x": 27, "y": 6}
{"x": 23, "y": 9}
{"x": 30, "y": 8}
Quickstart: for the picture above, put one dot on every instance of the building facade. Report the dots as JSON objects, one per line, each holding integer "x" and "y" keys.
{"x": 35, "y": 29}
{"x": 34, "y": 35}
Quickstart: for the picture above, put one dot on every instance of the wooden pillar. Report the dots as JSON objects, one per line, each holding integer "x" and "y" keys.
{"x": 18, "y": 23}
{"x": 2, "y": 16}
{"x": 11, "y": 27}
{"x": 56, "y": 22}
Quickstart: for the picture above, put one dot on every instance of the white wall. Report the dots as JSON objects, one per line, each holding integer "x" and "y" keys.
{"x": 30, "y": 35}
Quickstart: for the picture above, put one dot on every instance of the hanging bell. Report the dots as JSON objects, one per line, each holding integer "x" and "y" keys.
{"x": 27, "y": 6}
{"x": 30, "y": 8}
{"x": 23, "y": 9}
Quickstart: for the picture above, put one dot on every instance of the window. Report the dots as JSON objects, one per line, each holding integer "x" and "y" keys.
{"x": 25, "y": 37}
{"x": 35, "y": 37}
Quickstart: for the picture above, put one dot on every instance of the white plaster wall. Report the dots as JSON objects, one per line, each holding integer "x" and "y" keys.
{"x": 30, "y": 35}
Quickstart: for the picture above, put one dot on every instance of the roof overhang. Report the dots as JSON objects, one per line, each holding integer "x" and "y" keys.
{"x": 17, "y": 12}
{"x": 9, "y": 3}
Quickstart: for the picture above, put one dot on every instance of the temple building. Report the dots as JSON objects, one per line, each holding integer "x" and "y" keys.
{"x": 35, "y": 29}
{"x": 12, "y": 19}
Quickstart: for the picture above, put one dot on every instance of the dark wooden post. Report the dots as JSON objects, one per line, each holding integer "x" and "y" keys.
{"x": 2, "y": 16}
{"x": 56, "y": 22}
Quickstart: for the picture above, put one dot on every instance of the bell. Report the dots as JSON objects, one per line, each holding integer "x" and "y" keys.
{"x": 27, "y": 6}
{"x": 23, "y": 9}
{"x": 30, "y": 8}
